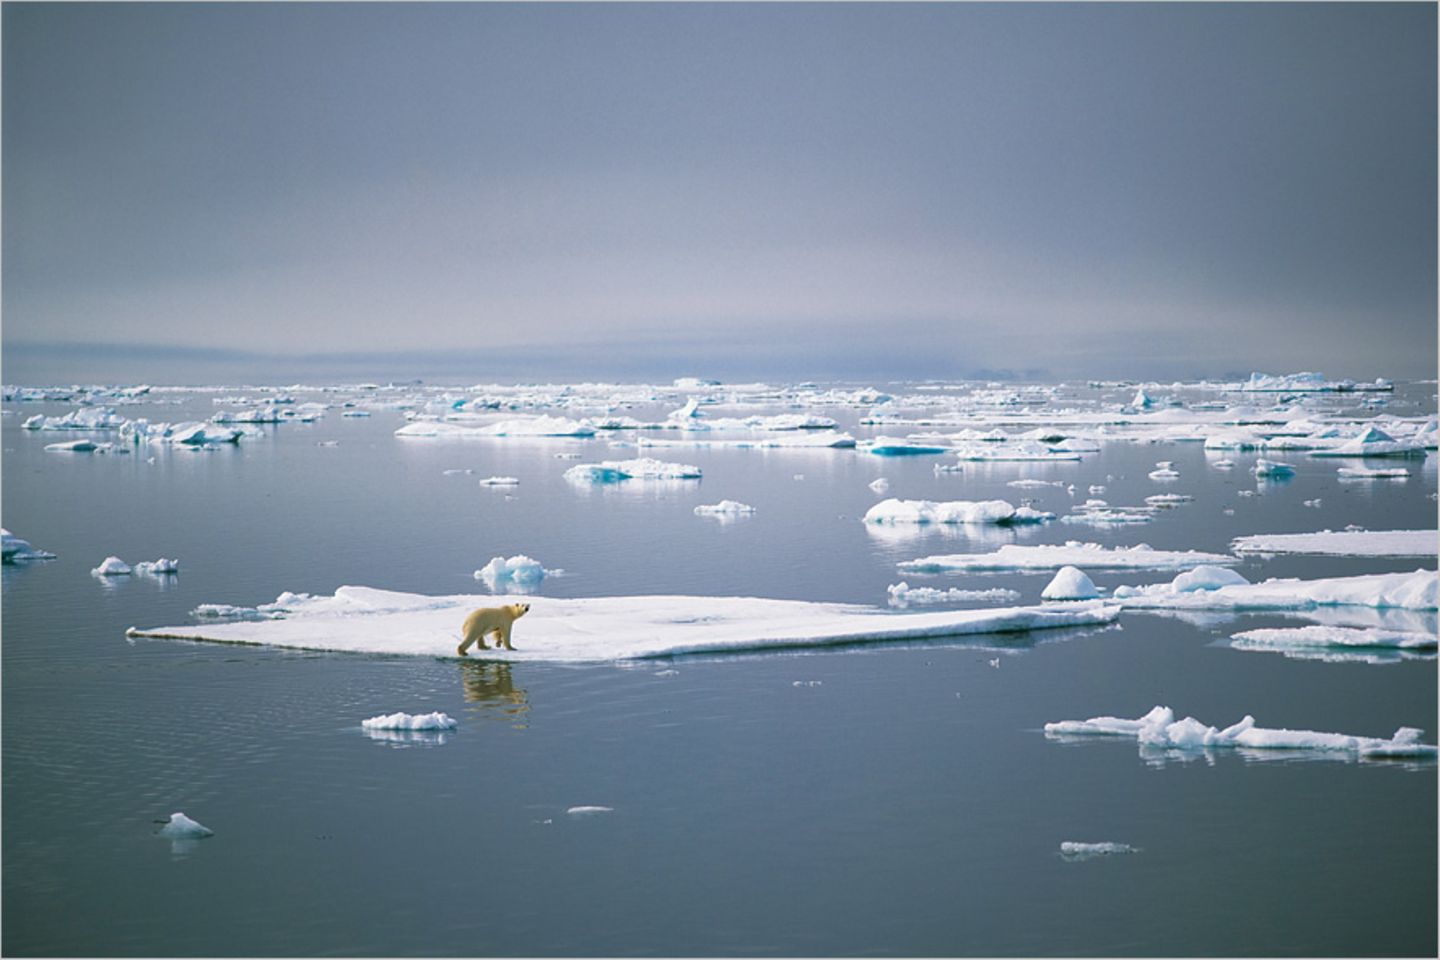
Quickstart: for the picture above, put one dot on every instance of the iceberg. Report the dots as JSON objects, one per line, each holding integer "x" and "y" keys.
{"x": 1407, "y": 591}
{"x": 902, "y": 594}
{"x": 608, "y": 629}
{"x": 1272, "y": 468}
{"x": 155, "y": 568}
{"x": 112, "y": 567}
{"x": 895, "y": 511}
{"x": 519, "y": 571}
{"x": 1159, "y": 728}
{"x": 408, "y": 721}
{"x": 181, "y": 827}
{"x": 15, "y": 550}
{"x": 1343, "y": 543}
{"x": 1070, "y": 583}
{"x": 644, "y": 468}
{"x": 1373, "y": 442}
{"x": 1013, "y": 556}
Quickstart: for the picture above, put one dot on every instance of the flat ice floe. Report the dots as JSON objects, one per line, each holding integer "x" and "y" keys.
{"x": 953, "y": 511}
{"x": 1159, "y": 728}
{"x": 1407, "y": 591}
{"x": 409, "y": 721}
{"x": 515, "y": 427}
{"x": 366, "y": 620}
{"x": 15, "y": 550}
{"x": 1014, "y": 556}
{"x": 644, "y": 468}
{"x": 1344, "y": 543}
{"x": 902, "y": 594}
{"x": 725, "y": 509}
{"x": 1340, "y": 644}
{"x": 1075, "y": 850}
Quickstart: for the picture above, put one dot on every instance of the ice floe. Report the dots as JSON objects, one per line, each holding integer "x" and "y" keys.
{"x": 541, "y": 426}
{"x": 902, "y": 595}
{"x": 1070, "y": 583}
{"x": 366, "y": 620}
{"x": 1159, "y": 728}
{"x": 1014, "y": 556}
{"x": 893, "y": 447}
{"x": 156, "y": 568}
{"x": 1373, "y": 473}
{"x": 1022, "y": 451}
{"x": 644, "y": 468}
{"x": 181, "y": 827}
{"x": 1409, "y": 591}
{"x": 894, "y": 511}
{"x": 15, "y": 550}
{"x": 1341, "y": 644}
{"x": 1076, "y": 850}
{"x": 1343, "y": 543}
{"x": 500, "y": 482}
{"x": 724, "y": 509}
{"x": 1165, "y": 470}
{"x": 1373, "y": 442}
{"x": 112, "y": 567}
{"x": 410, "y": 721}
{"x": 1272, "y": 468}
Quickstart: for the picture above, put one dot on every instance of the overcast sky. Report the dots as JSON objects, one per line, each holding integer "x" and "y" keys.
{"x": 768, "y": 191}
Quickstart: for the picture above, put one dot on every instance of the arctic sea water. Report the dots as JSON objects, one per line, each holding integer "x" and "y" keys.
{"x": 876, "y": 799}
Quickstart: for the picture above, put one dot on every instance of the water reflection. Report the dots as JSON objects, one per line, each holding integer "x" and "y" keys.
{"x": 407, "y": 738}
{"x": 491, "y": 685}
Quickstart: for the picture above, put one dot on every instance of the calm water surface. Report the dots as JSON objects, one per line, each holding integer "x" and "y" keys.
{"x": 873, "y": 800}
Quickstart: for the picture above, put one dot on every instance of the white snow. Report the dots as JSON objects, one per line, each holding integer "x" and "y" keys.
{"x": 1409, "y": 591}
{"x": 1206, "y": 578}
{"x": 953, "y": 511}
{"x": 644, "y": 468}
{"x": 1159, "y": 728}
{"x": 1070, "y": 583}
{"x": 409, "y": 721}
{"x": 15, "y": 550}
{"x": 902, "y": 594}
{"x": 725, "y": 508}
{"x": 1344, "y": 543}
{"x": 181, "y": 827}
{"x": 112, "y": 567}
{"x": 366, "y": 620}
{"x": 1014, "y": 556}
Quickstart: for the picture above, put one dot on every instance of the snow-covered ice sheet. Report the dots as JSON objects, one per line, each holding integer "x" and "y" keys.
{"x": 1014, "y": 556}
{"x": 1337, "y": 644}
{"x": 1344, "y": 543}
{"x": 367, "y": 620}
{"x": 1159, "y": 728}
{"x": 1409, "y": 591}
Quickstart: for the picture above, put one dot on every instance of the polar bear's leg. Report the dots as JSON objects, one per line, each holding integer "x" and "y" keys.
{"x": 503, "y": 637}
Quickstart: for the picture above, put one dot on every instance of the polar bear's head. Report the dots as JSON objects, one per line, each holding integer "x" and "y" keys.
{"x": 518, "y": 610}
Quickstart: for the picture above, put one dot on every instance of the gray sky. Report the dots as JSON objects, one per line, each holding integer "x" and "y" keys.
{"x": 777, "y": 191}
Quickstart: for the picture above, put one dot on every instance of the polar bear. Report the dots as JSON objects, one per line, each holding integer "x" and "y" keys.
{"x": 496, "y": 620}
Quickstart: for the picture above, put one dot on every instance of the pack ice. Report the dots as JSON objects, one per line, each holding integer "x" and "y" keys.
{"x": 1159, "y": 728}
{"x": 366, "y": 620}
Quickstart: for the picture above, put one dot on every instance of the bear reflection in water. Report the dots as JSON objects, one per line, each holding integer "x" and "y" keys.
{"x": 489, "y": 683}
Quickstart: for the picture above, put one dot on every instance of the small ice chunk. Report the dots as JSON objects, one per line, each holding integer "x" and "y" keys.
{"x": 1075, "y": 850}
{"x": 588, "y": 811}
{"x": 1070, "y": 583}
{"x": 15, "y": 550}
{"x": 409, "y": 721}
{"x": 519, "y": 569}
{"x": 902, "y": 594}
{"x": 725, "y": 508}
{"x": 880, "y": 485}
{"x": 1273, "y": 468}
{"x": 499, "y": 482}
{"x": 1164, "y": 470}
{"x": 895, "y": 511}
{"x": 112, "y": 567}
{"x": 155, "y": 568}
{"x": 181, "y": 827}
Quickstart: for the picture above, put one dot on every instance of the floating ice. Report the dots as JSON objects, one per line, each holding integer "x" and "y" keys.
{"x": 1168, "y": 499}
{"x": 1273, "y": 468}
{"x": 953, "y": 511}
{"x": 902, "y": 594}
{"x": 518, "y": 571}
{"x": 181, "y": 827}
{"x": 1373, "y": 473}
{"x": 879, "y": 485}
{"x": 155, "y": 568}
{"x": 282, "y": 607}
{"x": 364, "y": 620}
{"x": 1409, "y": 591}
{"x": 1321, "y": 638}
{"x": 499, "y": 482}
{"x": 1159, "y": 728}
{"x": 818, "y": 439}
{"x": 1308, "y": 382}
{"x": 614, "y": 471}
{"x": 1206, "y": 578}
{"x": 725, "y": 508}
{"x": 1022, "y": 451}
{"x": 1373, "y": 442}
{"x": 112, "y": 567}
{"x": 541, "y": 426}
{"x": 1164, "y": 470}
{"x": 1074, "y": 850}
{"x": 1098, "y": 513}
{"x": 15, "y": 550}
{"x": 588, "y": 811}
{"x": 409, "y": 721}
{"x": 1070, "y": 583}
{"x": 1014, "y": 556}
{"x": 892, "y": 447}
{"x": 1344, "y": 543}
